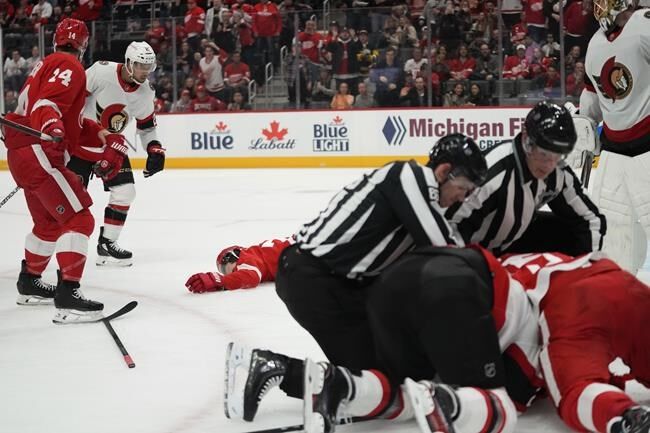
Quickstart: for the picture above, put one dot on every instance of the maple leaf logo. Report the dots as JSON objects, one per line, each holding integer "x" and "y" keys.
{"x": 337, "y": 119}
{"x": 275, "y": 131}
{"x": 221, "y": 126}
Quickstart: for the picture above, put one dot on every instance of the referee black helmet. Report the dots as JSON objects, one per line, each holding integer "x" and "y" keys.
{"x": 551, "y": 127}
{"x": 463, "y": 154}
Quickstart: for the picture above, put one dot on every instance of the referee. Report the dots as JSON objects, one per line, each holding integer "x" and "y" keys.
{"x": 524, "y": 175}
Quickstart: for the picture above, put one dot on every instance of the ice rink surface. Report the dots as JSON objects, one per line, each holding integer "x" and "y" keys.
{"x": 71, "y": 379}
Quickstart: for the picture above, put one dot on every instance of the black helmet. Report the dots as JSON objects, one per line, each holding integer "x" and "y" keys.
{"x": 463, "y": 154}
{"x": 551, "y": 127}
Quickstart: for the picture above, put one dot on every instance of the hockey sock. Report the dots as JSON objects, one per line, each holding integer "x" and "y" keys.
{"x": 114, "y": 219}
{"x": 71, "y": 256}
{"x": 372, "y": 393}
{"x": 485, "y": 411}
{"x": 37, "y": 253}
{"x": 292, "y": 384}
{"x": 604, "y": 401}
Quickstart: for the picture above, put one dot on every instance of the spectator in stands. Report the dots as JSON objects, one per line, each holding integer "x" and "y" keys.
{"x": 577, "y": 22}
{"x": 388, "y": 77}
{"x": 486, "y": 65}
{"x": 33, "y": 60}
{"x": 194, "y": 24}
{"x": 43, "y": 10}
{"x": 413, "y": 66}
{"x": 15, "y": 70}
{"x": 535, "y": 19}
{"x": 182, "y": 105}
{"x": 516, "y": 66}
{"x": 390, "y": 38}
{"x": 311, "y": 43}
{"x": 450, "y": 29}
{"x": 551, "y": 12}
{"x": 456, "y": 97}
{"x": 476, "y": 98}
{"x": 11, "y": 101}
{"x": 7, "y": 12}
{"x": 462, "y": 67}
{"x": 237, "y": 75}
{"x": 212, "y": 72}
{"x": 548, "y": 83}
{"x": 342, "y": 100}
{"x": 213, "y": 18}
{"x": 185, "y": 59}
{"x": 363, "y": 98}
{"x": 243, "y": 31}
{"x": 288, "y": 10}
{"x": 324, "y": 88}
{"x": 511, "y": 12}
{"x": 571, "y": 58}
{"x": 575, "y": 82}
{"x": 238, "y": 102}
{"x": 439, "y": 65}
{"x": 189, "y": 84}
{"x": 156, "y": 34}
{"x": 205, "y": 103}
{"x": 344, "y": 52}
{"x": 367, "y": 56}
{"x": 224, "y": 36}
{"x": 88, "y": 10}
{"x": 417, "y": 95}
{"x": 298, "y": 82}
{"x": 551, "y": 48}
{"x": 267, "y": 26}
{"x": 538, "y": 64}
{"x": 20, "y": 24}
{"x": 408, "y": 36}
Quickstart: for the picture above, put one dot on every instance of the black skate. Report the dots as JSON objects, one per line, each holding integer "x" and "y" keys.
{"x": 327, "y": 390}
{"x": 435, "y": 405}
{"x": 72, "y": 307}
{"x": 109, "y": 253}
{"x": 266, "y": 370}
{"x": 635, "y": 420}
{"x": 32, "y": 290}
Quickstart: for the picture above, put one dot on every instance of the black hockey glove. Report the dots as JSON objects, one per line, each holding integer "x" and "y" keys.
{"x": 155, "y": 159}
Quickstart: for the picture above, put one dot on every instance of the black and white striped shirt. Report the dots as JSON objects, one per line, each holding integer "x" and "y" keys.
{"x": 500, "y": 211}
{"x": 373, "y": 221}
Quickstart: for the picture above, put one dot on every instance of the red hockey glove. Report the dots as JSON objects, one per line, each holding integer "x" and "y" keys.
{"x": 111, "y": 162}
{"x": 53, "y": 148}
{"x": 155, "y": 159}
{"x": 204, "y": 282}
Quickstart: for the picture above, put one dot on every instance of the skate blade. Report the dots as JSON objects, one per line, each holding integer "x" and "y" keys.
{"x": 113, "y": 262}
{"x": 428, "y": 415}
{"x": 314, "y": 380}
{"x": 65, "y": 316}
{"x": 236, "y": 356}
{"x": 32, "y": 300}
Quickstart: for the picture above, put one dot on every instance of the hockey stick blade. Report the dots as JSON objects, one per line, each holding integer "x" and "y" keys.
{"x": 121, "y": 312}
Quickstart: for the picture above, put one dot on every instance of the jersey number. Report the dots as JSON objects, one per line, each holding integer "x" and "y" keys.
{"x": 65, "y": 76}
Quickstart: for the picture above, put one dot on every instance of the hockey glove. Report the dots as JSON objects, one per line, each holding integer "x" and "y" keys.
{"x": 111, "y": 161}
{"x": 53, "y": 148}
{"x": 155, "y": 159}
{"x": 204, "y": 282}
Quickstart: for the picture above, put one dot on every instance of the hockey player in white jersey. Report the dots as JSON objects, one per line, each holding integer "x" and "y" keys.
{"x": 618, "y": 65}
{"x": 116, "y": 94}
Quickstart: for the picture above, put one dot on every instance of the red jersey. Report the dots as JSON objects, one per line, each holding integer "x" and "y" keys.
{"x": 310, "y": 43}
{"x": 207, "y": 104}
{"x": 194, "y": 21}
{"x": 266, "y": 20}
{"x": 256, "y": 264}
{"x": 86, "y": 12}
{"x": 235, "y": 74}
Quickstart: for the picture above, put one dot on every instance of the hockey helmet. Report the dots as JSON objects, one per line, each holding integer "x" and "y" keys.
{"x": 605, "y": 12}
{"x": 551, "y": 128}
{"x": 141, "y": 53}
{"x": 228, "y": 255}
{"x": 463, "y": 154}
{"x": 71, "y": 32}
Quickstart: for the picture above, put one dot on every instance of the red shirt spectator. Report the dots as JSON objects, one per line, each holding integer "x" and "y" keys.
{"x": 88, "y": 10}
{"x": 194, "y": 19}
{"x": 533, "y": 10}
{"x": 462, "y": 67}
{"x": 236, "y": 73}
{"x": 518, "y": 32}
{"x": 516, "y": 66}
{"x": 575, "y": 82}
{"x": 156, "y": 34}
{"x": 7, "y": 9}
{"x": 266, "y": 20}
{"x": 576, "y": 20}
{"x": 310, "y": 42}
{"x": 204, "y": 103}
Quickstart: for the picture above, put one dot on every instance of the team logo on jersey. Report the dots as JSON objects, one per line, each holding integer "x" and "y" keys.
{"x": 114, "y": 117}
{"x": 615, "y": 81}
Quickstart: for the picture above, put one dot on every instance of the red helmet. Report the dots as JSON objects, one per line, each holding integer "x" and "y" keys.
{"x": 228, "y": 255}
{"x": 72, "y": 32}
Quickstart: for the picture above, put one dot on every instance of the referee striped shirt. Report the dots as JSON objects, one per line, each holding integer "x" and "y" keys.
{"x": 373, "y": 221}
{"x": 500, "y": 211}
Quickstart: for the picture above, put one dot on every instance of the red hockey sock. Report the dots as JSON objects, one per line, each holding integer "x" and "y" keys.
{"x": 37, "y": 253}
{"x": 71, "y": 256}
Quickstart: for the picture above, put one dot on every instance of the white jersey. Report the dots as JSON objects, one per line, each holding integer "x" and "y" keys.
{"x": 113, "y": 102}
{"x": 619, "y": 68}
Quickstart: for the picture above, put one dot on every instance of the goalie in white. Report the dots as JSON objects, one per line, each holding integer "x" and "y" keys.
{"x": 617, "y": 63}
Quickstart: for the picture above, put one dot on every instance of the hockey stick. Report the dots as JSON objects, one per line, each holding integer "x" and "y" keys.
{"x": 11, "y": 194}
{"x": 107, "y": 322}
{"x": 27, "y": 130}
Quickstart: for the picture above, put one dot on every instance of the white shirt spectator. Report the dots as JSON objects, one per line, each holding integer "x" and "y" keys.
{"x": 43, "y": 9}
{"x": 212, "y": 73}
{"x": 15, "y": 66}
{"x": 414, "y": 67}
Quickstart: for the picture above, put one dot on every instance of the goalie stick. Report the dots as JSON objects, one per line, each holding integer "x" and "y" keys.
{"x": 107, "y": 322}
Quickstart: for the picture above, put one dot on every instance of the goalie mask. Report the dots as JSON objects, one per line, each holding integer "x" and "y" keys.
{"x": 139, "y": 61}
{"x": 606, "y": 11}
{"x": 228, "y": 255}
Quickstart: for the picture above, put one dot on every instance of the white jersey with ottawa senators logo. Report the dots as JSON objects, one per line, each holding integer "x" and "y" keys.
{"x": 619, "y": 67}
{"x": 113, "y": 102}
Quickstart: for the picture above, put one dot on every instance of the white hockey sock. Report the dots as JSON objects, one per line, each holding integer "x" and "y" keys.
{"x": 485, "y": 411}
{"x": 112, "y": 232}
{"x": 372, "y": 392}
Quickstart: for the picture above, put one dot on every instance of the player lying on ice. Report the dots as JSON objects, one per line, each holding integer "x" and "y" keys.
{"x": 453, "y": 320}
{"x": 241, "y": 268}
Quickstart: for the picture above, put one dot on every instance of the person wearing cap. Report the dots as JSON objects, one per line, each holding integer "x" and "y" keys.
{"x": 525, "y": 174}
{"x": 345, "y": 65}
{"x": 205, "y": 103}
{"x": 183, "y": 103}
{"x": 516, "y": 66}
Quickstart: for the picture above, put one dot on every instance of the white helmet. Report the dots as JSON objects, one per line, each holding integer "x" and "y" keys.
{"x": 139, "y": 52}
{"x": 605, "y": 11}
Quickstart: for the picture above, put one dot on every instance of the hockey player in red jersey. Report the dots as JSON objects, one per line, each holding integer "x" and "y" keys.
{"x": 617, "y": 66}
{"x": 590, "y": 312}
{"x": 51, "y": 102}
{"x": 241, "y": 268}
{"x": 117, "y": 93}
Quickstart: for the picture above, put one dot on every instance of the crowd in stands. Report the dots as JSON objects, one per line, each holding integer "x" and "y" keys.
{"x": 384, "y": 53}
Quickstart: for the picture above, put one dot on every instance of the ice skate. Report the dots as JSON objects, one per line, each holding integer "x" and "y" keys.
{"x": 265, "y": 370}
{"x": 109, "y": 253}
{"x": 32, "y": 290}
{"x": 634, "y": 420}
{"x": 434, "y": 405}
{"x": 73, "y": 307}
{"x": 327, "y": 390}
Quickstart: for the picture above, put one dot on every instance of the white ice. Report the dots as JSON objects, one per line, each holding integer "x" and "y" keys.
{"x": 71, "y": 379}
